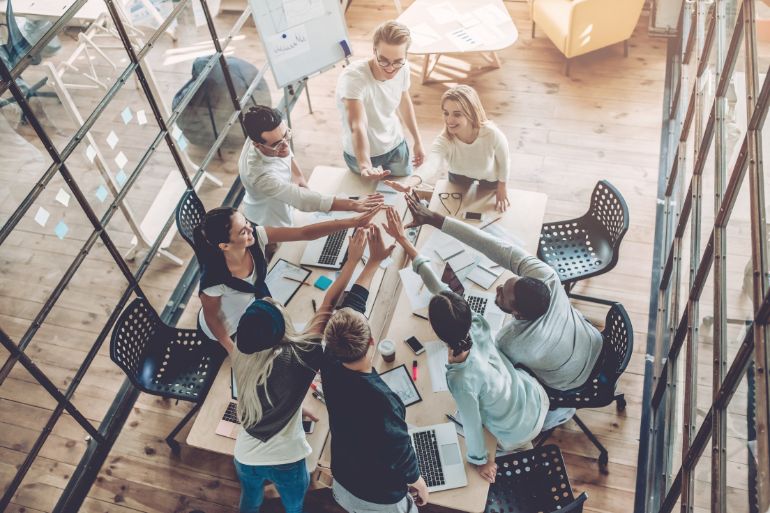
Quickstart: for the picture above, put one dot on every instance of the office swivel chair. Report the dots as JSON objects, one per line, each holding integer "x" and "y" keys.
{"x": 618, "y": 337}
{"x": 163, "y": 360}
{"x": 533, "y": 481}
{"x": 189, "y": 214}
{"x": 12, "y": 51}
{"x": 589, "y": 245}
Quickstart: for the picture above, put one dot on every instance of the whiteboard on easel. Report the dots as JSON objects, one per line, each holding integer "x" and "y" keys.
{"x": 300, "y": 37}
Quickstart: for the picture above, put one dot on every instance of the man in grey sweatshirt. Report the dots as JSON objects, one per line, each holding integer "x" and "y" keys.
{"x": 546, "y": 334}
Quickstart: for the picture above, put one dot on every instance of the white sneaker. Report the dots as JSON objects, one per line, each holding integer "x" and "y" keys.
{"x": 557, "y": 417}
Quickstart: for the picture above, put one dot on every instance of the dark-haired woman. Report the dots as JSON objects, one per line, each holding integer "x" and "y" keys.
{"x": 231, "y": 252}
{"x": 488, "y": 390}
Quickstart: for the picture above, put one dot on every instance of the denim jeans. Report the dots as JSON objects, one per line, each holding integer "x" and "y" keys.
{"x": 397, "y": 161}
{"x": 291, "y": 480}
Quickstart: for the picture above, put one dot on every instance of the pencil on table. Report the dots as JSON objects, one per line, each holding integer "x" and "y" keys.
{"x": 303, "y": 282}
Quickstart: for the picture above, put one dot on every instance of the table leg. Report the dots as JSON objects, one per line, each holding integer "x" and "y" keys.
{"x": 428, "y": 66}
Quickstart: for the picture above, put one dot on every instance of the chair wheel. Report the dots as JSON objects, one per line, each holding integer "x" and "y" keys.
{"x": 174, "y": 445}
{"x": 620, "y": 403}
{"x": 604, "y": 460}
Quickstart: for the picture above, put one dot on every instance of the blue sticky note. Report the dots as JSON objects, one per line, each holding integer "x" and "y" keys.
{"x": 61, "y": 229}
{"x": 323, "y": 282}
{"x": 121, "y": 178}
{"x": 101, "y": 193}
{"x": 127, "y": 115}
{"x": 182, "y": 142}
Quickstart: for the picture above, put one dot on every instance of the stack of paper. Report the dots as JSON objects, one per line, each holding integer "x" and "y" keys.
{"x": 437, "y": 362}
{"x": 418, "y": 294}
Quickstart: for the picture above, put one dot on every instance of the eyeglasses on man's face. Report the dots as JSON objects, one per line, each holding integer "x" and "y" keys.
{"x": 280, "y": 143}
{"x": 385, "y": 63}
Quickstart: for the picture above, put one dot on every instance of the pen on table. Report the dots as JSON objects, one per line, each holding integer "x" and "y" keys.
{"x": 453, "y": 419}
{"x": 315, "y": 308}
{"x": 303, "y": 282}
{"x": 414, "y": 370}
{"x": 491, "y": 222}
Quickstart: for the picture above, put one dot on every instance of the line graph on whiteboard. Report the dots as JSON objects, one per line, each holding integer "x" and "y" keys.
{"x": 289, "y": 13}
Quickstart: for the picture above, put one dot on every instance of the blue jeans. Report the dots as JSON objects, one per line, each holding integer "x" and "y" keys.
{"x": 397, "y": 161}
{"x": 291, "y": 480}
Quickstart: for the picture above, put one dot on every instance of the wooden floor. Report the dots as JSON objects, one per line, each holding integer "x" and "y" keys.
{"x": 565, "y": 134}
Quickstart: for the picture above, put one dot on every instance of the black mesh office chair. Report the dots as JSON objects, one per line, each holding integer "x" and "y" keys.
{"x": 189, "y": 214}
{"x": 589, "y": 245}
{"x": 533, "y": 481}
{"x": 163, "y": 360}
{"x": 618, "y": 336}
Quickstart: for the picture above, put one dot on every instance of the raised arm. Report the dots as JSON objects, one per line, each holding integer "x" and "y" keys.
{"x": 406, "y": 112}
{"x": 357, "y": 123}
{"x": 318, "y": 230}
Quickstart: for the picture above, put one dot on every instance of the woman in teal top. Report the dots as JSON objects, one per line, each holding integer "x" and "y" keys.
{"x": 488, "y": 390}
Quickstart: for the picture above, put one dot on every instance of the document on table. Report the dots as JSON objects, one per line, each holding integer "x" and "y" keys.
{"x": 284, "y": 279}
{"x": 437, "y": 361}
{"x": 417, "y": 293}
{"x": 496, "y": 231}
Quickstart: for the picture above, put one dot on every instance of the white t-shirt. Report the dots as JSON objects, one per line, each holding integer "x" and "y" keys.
{"x": 381, "y": 100}
{"x": 270, "y": 193}
{"x": 486, "y": 158}
{"x": 234, "y": 302}
{"x": 286, "y": 446}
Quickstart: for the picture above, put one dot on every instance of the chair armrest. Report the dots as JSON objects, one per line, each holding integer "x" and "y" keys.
{"x": 595, "y": 24}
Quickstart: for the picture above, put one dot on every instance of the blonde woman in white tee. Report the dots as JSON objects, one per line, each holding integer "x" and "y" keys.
{"x": 471, "y": 148}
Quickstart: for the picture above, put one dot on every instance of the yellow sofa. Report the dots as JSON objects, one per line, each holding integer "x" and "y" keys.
{"x": 577, "y": 27}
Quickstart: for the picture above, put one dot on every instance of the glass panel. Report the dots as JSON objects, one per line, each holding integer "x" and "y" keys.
{"x": 685, "y": 273}
{"x": 741, "y": 444}
{"x": 705, "y": 351}
{"x": 732, "y": 7}
{"x": 707, "y": 201}
{"x": 39, "y": 250}
{"x": 677, "y": 426}
{"x": 735, "y": 114}
{"x": 23, "y": 158}
{"x": 708, "y": 85}
{"x": 738, "y": 272}
{"x": 762, "y": 23}
{"x": 702, "y": 482}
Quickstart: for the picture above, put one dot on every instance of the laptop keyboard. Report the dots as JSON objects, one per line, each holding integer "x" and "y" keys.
{"x": 231, "y": 414}
{"x": 426, "y": 448}
{"x": 477, "y": 304}
{"x": 331, "y": 249}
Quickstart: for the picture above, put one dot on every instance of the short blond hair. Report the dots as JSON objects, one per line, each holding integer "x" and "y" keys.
{"x": 470, "y": 104}
{"x": 392, "y": 33}
{"x": 347, "y": 335}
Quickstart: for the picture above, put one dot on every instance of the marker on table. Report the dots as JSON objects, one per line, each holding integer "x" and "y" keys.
{"x": 491, "y": 222}
{"x": 414, "y": 370}
{"x": 312, "y": 301}
{"x": 319, "y": 397}
{"x": 303, "y": 282}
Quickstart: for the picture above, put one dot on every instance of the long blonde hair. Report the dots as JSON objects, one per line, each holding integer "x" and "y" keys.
{"x": 252, "y": 370}
{"x": 470, "y": 105}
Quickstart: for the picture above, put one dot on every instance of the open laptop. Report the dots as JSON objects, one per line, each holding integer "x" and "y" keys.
{"x": 327, "y": 251}
{"x": 230, "y": 425}
{"x": 482, "y": 304}
{"x": 438, "y": 455}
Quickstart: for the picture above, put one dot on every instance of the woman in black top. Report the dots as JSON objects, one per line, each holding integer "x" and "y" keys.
{"x": 231, "y": 253}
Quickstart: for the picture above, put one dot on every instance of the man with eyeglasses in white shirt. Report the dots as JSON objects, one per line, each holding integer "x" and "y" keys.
{"x": 272, "y": 178}
{"x": 373, "y": 99}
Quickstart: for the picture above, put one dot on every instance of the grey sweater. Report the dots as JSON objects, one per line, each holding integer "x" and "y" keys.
{"x": 561, "y": 347}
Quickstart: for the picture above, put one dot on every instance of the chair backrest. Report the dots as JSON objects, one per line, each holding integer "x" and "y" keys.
{"x": 189, "y": 214}
{"x": 618, "y": 335}
{"x": 609, "y": 209}
{"x": 531, "y": 481}
{"x": 132, "y": 337}
{"x": 618, "y": 345}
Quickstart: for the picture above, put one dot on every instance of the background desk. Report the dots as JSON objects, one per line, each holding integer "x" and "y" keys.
{"x": 523, "y": 219}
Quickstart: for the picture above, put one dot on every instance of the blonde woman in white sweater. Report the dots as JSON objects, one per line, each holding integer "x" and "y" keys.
{"x": 470, "y": 148}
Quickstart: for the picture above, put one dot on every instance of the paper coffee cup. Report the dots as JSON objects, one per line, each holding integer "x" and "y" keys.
{"x": 387, "y": 349}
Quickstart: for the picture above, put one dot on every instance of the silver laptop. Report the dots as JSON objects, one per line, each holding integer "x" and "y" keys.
{"x": 229, "y": 425}
{"x": 482, "y": 304}
{"x": 327, "y": 251}
{"x": 438, "y": 455}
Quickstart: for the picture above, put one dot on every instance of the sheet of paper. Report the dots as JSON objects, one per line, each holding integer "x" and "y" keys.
{"x": 42, "y": 215}
{"x": 141, "y": 117}
{"x": 423, "y": 34}
{"x": 437, "y": 361}
{"x": 463, "y": 260}
{"x": 443, "y": 245}
{"x": 127, "y": 115}
{"x": 384, "y": 188}
{"x": 63, "y": 197}
{"x": 288, "y": 44}
{"x": 302, "y": 11}
{"x": 497, "y": 231}
{"x": 278, "y": 280}
{"x": 463, "y": 39}
{"x": 443, "y": 13}
{"x": 112, "y": 139}
{"x": 90, "y": 153}
{"x": 121, "y": 160}
{"x": 418, "y": 295}
{"x": 481, "y": 277}
{"x": 490, "y": 15}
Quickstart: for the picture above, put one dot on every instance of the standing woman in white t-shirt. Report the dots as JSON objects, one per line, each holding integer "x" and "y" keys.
{"x": 470, "y": 148}
{"x": 231, "y": 253}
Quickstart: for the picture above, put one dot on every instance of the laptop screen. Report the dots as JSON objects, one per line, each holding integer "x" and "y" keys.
{"x": 233, "y": 389}
{"x": 450, "y": 278}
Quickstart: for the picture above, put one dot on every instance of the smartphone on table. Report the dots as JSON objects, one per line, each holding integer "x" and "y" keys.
{"x": 415, "y": 345}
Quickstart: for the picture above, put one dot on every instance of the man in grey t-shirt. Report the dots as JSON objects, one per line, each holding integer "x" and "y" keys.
{"x": 547, "y": 334}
